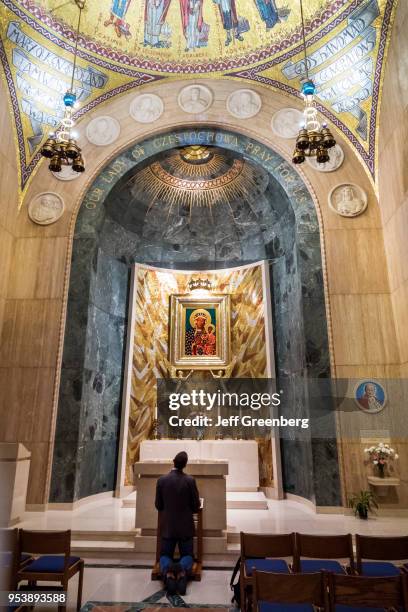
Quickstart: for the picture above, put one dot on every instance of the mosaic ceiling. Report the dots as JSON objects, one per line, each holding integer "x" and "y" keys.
{"x": 125, "y": 44}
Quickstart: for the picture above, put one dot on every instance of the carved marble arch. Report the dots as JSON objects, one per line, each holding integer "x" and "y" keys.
{"x": 292, "y": 242}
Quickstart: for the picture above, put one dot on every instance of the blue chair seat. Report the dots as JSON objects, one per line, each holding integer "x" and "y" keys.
{"x": 310, "y": 566}
{"x": 379, "y": 569}
{"x": 354, "y": 609}
{"x": 266, "y": 565}
{"x": 284, "y": 607}
{"x": 51, "y": 564}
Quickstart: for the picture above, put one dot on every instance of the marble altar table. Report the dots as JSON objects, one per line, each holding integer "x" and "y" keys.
{"x": 241, "y": 456}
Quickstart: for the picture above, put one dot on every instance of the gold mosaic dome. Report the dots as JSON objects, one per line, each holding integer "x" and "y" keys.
{"x": 185, "y": 35}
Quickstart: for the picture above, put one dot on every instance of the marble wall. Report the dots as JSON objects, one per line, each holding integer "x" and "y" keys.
{"x": 393, "y": 177}
{"x": 278, "y": 221}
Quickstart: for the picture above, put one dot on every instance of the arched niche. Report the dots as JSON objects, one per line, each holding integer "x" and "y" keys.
{"x": 107, "y": 241}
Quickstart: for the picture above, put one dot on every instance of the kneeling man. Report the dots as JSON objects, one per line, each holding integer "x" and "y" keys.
{"x": 177, "y": 499}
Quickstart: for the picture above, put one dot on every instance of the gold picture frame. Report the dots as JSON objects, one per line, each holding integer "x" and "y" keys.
{"x": 200, "y": 331}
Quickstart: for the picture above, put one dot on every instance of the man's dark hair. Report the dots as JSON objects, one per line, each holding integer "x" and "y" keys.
{"x": 180, "y": 460}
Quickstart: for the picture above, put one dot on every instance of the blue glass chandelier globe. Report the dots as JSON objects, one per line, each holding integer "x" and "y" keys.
{"x": 308, "y": 88}
{"x": 69, "y": 99}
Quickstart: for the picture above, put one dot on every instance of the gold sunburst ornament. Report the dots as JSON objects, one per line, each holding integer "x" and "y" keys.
{"x": 61, "y": 147}
{"x": 314, "y": 139}
{"x": 185, "y": 184}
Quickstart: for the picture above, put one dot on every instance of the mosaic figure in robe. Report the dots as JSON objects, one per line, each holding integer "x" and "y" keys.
{"x": 118, "y": 12}
{"x": 232, "y": 24}
{"x": 195, "y": 30}
{"x": 155, "y": 26}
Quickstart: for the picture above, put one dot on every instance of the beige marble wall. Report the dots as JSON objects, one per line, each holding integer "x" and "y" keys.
{"x": 31, "y": 286}
{"x": 393, "y": 176}
{"x": 34, "y": 281}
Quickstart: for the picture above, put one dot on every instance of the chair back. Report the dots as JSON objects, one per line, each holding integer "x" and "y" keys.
{"x": 46, "y": 543}
{"x": 323, "y": 547}
{"x": 290, "y": 588}
{"x": 367, "y": 591}
{"x": 381, "y": 548}
{"x": 257, "y": 546}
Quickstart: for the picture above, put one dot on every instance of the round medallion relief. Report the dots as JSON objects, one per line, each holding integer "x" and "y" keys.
{"x": 195, "y": 99}
{"x": 348, "y": 200}
{"x": 244, "y": 103}
{"x": 102, "y": 131}
{"x": 146, "y": 108}
{"x": 336, "y": 159}
{"x": 66, "y": 173}
{"x": 46, "y": 208}
{"x": 287, "y": 122}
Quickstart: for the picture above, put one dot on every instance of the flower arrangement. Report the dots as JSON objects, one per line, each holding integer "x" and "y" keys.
{"x": 380, "y": 455}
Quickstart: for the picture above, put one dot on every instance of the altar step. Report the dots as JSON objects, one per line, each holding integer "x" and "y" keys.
{"x": 246, "y": 500}
{"x": 236, "y": 500}
{"x": 129, "y": 548}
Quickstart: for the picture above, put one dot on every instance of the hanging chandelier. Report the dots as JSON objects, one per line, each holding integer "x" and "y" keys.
{"x": 61, "y": 147}
{"x": 314, "y": 139}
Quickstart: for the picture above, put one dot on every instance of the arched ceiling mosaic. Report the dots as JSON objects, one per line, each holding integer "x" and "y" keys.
{"x": 125, "y": 44}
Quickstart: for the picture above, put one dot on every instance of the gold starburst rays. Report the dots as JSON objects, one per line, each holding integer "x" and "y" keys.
{"x": 186, "y": 184}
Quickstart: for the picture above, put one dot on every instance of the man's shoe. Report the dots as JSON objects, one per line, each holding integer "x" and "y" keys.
{"x": 171, "y": 585}
{"x": 182, "y": 584}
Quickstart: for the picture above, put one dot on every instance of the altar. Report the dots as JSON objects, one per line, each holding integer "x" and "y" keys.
{"x": 241, "y": 456}
{"x": 210, "y": 476}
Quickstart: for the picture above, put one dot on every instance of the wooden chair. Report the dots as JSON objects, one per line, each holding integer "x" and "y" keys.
{"x": 360, "y": 592}
{"x": 299, "y": 592}
{"x": 55, "y": 563}
{"x": 198, "y": 560}
{"x": 263, "y": 552}
{"x": 380, "y": 551}
{"x": 323, "y": 553}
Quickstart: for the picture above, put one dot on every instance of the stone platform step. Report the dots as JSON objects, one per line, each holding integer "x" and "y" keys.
{"x": 246, "y": 500}
{"x": 242, "y": 500}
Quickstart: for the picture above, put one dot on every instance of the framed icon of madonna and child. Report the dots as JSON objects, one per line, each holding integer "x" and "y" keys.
{"x": 200, "y": 331}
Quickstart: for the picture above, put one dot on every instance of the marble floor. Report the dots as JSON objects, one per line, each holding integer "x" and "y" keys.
{"x": 107, "y": 584}
{"x": 127, "y": 579}
{"x": 108, "y": 515}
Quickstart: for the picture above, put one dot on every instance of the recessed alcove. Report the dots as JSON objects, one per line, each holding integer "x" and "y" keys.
{"x": 260, "y": 210}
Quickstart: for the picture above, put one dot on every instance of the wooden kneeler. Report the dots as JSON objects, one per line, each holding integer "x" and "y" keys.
{"x": 198, "y": 560}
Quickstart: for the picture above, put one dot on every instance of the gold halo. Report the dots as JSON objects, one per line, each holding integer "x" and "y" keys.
{"x": 203, "y": 312}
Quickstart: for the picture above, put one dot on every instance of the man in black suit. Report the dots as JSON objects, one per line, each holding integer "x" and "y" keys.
{"x": 177, "y": 499}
